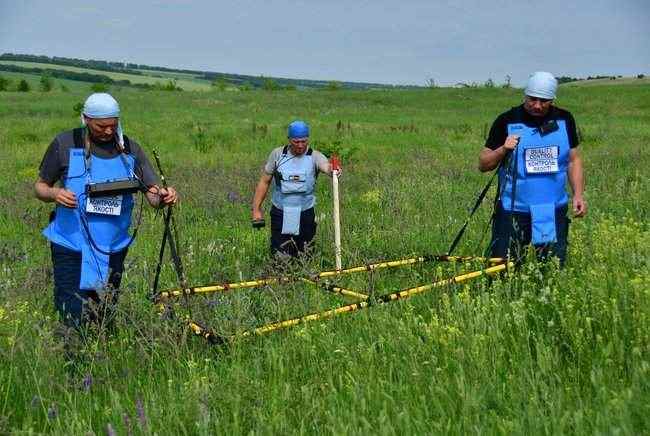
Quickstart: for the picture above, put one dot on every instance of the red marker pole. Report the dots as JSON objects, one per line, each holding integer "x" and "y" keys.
{"x": 336, "y": 167}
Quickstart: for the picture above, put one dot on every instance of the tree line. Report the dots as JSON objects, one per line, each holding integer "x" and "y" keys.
{"x": 239, "y": 80}
{"x": 109, "y": 66}
{"x": 99, "y": 82}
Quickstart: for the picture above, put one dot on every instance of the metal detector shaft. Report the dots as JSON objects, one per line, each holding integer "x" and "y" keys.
{"x": 168, "y": 236}
{"x": 504, "y": 162}
{"x": 161, "y": 255}
{"x": 478, "y": 202}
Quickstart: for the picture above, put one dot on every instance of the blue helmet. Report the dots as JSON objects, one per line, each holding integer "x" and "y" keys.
{"x": 298, "y": 129}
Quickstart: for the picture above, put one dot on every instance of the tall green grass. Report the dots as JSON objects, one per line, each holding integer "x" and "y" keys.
{"x": 541, "y": 351}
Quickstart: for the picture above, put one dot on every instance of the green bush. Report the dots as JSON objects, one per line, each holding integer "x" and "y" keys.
{"x": 99, "y": 87}
{"x": 334, "y": 85}
{"x": 46, "y": 83}
{"x": 270, "y": 85}
{"x": 219, "y": 84}
{"x": 4, "y": 83}
{"x": 23, "y": 86}
{"x": 77, "y": 108}
{"x": 170, "y": 85}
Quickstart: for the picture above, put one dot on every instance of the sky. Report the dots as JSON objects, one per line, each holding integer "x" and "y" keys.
{"x": 392, "y": 42}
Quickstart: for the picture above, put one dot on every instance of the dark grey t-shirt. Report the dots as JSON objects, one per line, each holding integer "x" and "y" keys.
{"x": 54, "y": 166}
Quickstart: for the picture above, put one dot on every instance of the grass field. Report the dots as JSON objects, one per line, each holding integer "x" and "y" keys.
{"x": 537, "y": 352}
{"x": 151, "y": 77}
{"x": 34, "y": 82}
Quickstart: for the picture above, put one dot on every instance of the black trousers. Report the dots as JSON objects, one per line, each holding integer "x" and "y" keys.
{"x": 77, "y": 307}
{"x": 292, "y": 245}
{"x": 517, "y": 228}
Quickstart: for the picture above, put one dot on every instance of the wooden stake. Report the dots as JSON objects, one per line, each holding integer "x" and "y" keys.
{"x": 336, "y": 165}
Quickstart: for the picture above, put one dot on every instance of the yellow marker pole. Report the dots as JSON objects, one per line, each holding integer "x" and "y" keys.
{"x": 224, "y": 287}
{"x": 387, "y": 298}
{"x": 337, "y": 289}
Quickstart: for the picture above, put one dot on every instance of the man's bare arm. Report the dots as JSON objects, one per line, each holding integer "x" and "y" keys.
{"x": 489, "y": 159}
{"x": 577, "y": 182}
{"x": 49, "y": 193}
{"x": 261, "y": 190}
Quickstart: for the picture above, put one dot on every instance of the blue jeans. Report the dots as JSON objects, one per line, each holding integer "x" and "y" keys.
{"x": 520, "y": 235}
{"x": 77, "y": 307}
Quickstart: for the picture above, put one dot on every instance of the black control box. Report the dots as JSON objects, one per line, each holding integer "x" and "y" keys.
{"x": 113, "y": 187}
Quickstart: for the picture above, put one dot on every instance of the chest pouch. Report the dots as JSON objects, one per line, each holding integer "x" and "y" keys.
{"x": 294, "y": 183}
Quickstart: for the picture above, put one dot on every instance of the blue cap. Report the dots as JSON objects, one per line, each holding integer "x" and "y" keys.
{"x": 101, "y": 105}
{"x": 541, "y": 84}
{"x": 298, "y": 129}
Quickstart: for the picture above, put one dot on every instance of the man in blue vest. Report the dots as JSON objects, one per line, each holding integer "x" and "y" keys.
{"x": 293, "y": 170}
{"x": 89, "y": 230}
{"x": 535, "y": 147}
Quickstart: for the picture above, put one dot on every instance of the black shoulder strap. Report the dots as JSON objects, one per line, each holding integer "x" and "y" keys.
{"x": 127, "y": 144}
{"x": 276, "y": 174}
{"x": 316, "y": 170}
{"x": 78, "y": 137}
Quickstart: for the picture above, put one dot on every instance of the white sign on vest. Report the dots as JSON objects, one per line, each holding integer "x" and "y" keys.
{"x": 105, "y": 205}
{"x": 542, "y": 160}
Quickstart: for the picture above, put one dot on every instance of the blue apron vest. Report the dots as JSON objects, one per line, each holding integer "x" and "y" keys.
{"x": 94, "y": 235}
{"x": 541, "y": 163}
{"x": 295, "y": 178}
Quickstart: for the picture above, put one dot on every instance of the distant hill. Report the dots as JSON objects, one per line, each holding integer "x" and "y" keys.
{"x": 610, "y": 80}
{"x": 130, "y": 74}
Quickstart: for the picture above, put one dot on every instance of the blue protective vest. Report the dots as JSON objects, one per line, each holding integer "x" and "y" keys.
{"x": 295, "y": 179}
{"x": 93, "y": 234}
{"x": 541, "y": 163}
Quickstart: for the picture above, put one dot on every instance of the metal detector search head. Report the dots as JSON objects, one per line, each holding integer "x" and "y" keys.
{"x": 258, "y": 224}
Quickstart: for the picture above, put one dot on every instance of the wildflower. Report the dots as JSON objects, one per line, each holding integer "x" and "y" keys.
{"x": 213, "y": 303}
{"x": 87, "y": 382}
{"x": 233, "y": 196}
{"x": 372, "y": 197}
{"x": 204, "y": 410}
{"x": 52, "y": 412}
{"x": 127, "y": 423}
{"x": 140, "y": 413}
{"x": 110, "y": 431}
